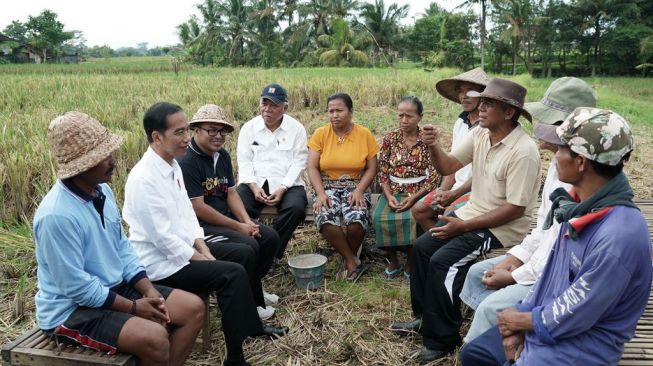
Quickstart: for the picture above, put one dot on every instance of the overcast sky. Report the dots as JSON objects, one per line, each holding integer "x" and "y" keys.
{"x": 123, "y": 23}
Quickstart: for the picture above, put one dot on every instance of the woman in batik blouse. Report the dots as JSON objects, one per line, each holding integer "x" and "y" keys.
{"x": 405, "y": 174}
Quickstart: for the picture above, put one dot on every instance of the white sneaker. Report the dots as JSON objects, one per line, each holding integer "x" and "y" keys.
{"x": 265, "y": 313}
{"x": 270, "y": 299}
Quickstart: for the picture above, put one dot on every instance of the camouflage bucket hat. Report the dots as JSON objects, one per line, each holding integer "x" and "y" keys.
{"x": 214, "y": 114}
{"x": 598, "y": 134}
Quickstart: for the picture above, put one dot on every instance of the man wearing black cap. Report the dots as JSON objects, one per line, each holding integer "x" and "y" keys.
{"x": 272, "y": 156}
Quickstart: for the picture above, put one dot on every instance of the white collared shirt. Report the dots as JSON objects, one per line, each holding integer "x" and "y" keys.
{"x": 278, "y": 157}
{"x": 163, "y": 226}
{"x": 535, "y": 248}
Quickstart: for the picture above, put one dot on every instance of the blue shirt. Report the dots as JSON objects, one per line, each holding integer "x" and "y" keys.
{"x": 80, "y": 253}
{"x": 593, "y": 290}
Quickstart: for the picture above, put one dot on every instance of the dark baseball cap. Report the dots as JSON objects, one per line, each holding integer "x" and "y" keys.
{"x": 276, "y": 93}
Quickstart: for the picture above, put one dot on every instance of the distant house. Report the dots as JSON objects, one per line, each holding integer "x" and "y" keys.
{"x": 24, "y": 53}
{"x": 70, "y": 58}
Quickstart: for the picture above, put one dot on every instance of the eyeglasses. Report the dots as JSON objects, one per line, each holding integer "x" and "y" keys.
{"x": 213, "y": 132}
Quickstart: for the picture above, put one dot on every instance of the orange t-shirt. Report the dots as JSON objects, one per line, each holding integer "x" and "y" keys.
{"x": 343, "y": 159}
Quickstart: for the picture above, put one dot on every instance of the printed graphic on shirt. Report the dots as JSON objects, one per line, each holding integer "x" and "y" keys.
{"x": 572, "y": 296}
{"x": 215, "y": 186}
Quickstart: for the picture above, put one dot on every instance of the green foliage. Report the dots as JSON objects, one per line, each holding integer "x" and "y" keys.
{"x": 46, "y": 32}
{"x": 17, "y": 31}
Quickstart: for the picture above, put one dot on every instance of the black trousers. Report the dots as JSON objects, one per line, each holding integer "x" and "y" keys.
{"x": 263, "y": 247}
{"x": 438, "y": 270}
{"x": 291, "y": 211}
{"x": 229, "y": 280}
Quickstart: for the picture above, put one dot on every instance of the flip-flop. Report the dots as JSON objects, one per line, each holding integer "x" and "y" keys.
{"x": 358, "y": 272}
{"x": 389, "y": 274}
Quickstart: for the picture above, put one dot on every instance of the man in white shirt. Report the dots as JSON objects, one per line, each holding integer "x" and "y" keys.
{"x": 168, "y": 239}
{"x": 499, "y": 283}
{"x": 272, "y": 155}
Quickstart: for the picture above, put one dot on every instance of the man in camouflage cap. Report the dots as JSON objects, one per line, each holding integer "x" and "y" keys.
{"x": 575, "y": 314}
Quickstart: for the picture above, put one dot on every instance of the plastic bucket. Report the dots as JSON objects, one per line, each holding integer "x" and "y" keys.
{"x": 308, "y": 270}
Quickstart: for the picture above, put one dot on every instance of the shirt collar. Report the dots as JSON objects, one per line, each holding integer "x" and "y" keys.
{"x": 159, "y": 163}
{"x": 78, "y": 192}
{"x": 464, "y": 116}
{"x": 193, "y": 148}
{"x": 513, "y": 137}
{"x": 259, "y": 124}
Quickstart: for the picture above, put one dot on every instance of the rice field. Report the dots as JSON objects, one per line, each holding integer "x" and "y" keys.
{"x": 342, "y": 323}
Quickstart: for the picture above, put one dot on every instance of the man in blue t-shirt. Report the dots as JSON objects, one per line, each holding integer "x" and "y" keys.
{"x": 575, "y": 315}
{"x": 92, "y": 289}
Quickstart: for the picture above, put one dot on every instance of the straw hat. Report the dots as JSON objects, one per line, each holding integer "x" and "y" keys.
{"x": 79, "y": 142}
{"x": 505, "y": 91}
{"x": 447, "y": 87}
{"x": 212, "y": 113}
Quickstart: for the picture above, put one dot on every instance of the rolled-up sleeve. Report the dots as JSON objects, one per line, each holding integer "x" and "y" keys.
{"x": 245, "y": 155}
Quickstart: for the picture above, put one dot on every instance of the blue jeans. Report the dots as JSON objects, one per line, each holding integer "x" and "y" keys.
{"x": 487, "y": 303}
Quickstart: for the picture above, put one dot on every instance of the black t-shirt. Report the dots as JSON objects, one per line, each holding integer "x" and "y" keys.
{"x": 203, "y": 179}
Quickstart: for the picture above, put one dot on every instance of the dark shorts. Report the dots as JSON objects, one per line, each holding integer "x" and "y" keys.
{"x": 98, "y": 328}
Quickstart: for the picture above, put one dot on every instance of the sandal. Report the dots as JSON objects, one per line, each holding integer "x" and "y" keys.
{"x": 389, "y": 274}
{"x": 357, "y": 273}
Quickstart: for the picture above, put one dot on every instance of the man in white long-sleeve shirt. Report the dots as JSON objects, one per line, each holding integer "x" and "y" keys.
{"x": 499, "y": 283}
{"x": 272, "y": 152}
{"x": 169, "y": 240}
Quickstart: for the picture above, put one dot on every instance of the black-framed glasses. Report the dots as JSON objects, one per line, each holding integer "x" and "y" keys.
{"x": 213, "y": 132}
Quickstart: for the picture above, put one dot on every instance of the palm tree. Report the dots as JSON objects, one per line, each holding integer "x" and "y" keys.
{"x": 338, "y": 49}
{"x": 515, "y": 13}
{"x": 382, "y": 22}
{"x": 236, "y": 14}
{"x": 484, "y": 4}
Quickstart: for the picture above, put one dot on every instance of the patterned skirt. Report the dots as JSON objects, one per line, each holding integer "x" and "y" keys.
{"x": 394, "y": 229}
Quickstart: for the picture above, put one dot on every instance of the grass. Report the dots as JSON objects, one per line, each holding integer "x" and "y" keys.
{"x": 342, "y": 323}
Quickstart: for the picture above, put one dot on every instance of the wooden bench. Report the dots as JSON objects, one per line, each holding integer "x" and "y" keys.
{"x": 35, "y": 348}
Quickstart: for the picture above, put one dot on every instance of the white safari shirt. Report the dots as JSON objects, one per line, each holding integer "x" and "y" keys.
{"x": 278, "y": 157}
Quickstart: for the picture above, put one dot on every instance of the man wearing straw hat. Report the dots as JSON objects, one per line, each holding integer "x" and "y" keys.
{"x": 505, "y": 170}
{"x": 170, "y": 242}
{"x": 272, "y": 153}
{"x": 455, "y": 185}
{"x": 597, "y": 280}
{"x": 499, "y": 283}
{"x": 92, "y": 289}
{"x": 210, "y": 183}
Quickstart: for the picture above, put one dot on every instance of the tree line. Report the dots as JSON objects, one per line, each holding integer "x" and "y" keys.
{"x": 540, "y": 37}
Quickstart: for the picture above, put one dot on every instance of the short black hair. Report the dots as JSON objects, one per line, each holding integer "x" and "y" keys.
{"x": 344, "y": 97}
{"x": 605, "y": 170}
{"x": 416, "y": 102}
{"x": 156, "y": 118}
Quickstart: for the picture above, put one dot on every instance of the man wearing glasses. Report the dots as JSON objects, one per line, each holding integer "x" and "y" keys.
{"x": 272, "y": 157}
{"x": 210, "y": 184}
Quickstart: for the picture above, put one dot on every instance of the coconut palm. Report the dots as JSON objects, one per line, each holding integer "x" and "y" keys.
{"x": 338, "y": 49}
{"x": 382, "y": 22}
{"x": 484, "y": 4}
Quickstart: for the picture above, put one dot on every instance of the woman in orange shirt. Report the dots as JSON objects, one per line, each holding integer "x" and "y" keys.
{"x": 341, "y": 166}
